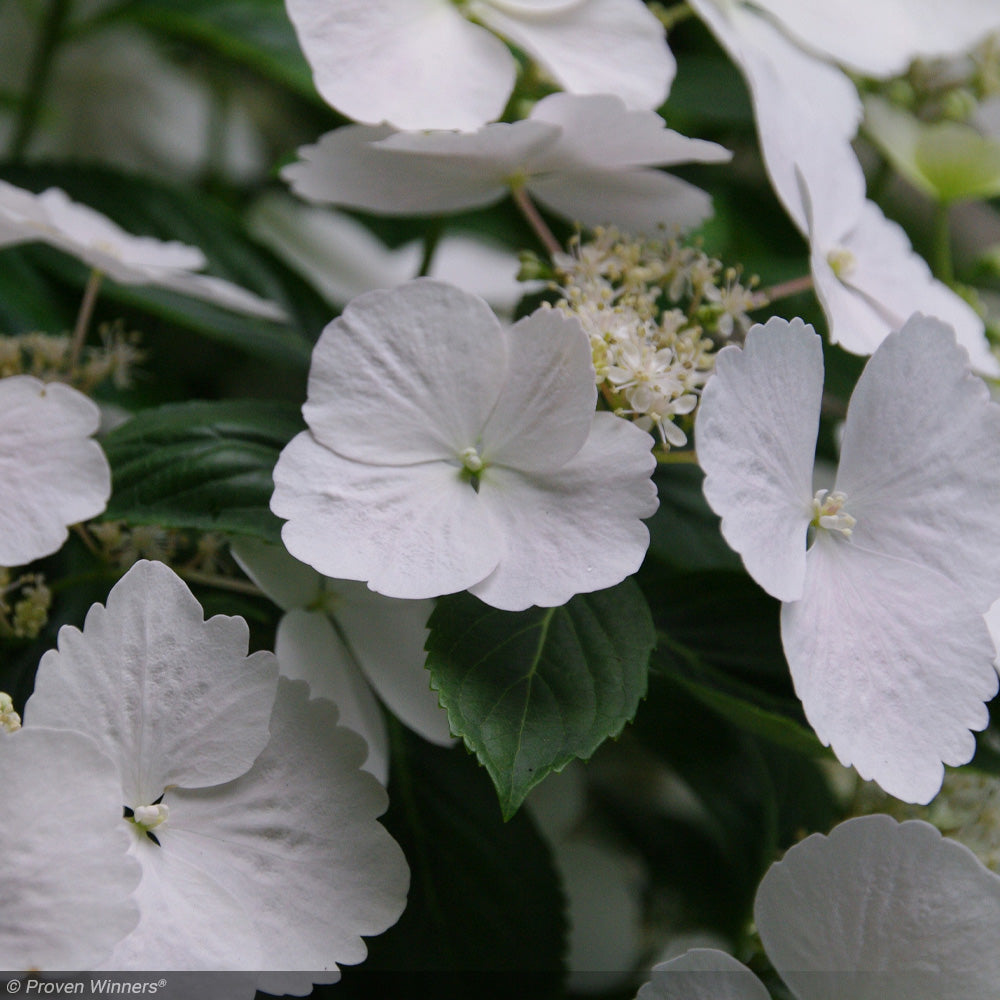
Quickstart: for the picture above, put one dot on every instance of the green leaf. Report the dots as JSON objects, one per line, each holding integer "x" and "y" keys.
{"x": 484, "y": 896}
{"x": 204, "y": 466}
{"x": 684, "y": 531}
{"x": 531, "y": 690}
{"x": 254, "y": 34}
{"x": 712, "y": 830}
{"x": 720, "y": 638}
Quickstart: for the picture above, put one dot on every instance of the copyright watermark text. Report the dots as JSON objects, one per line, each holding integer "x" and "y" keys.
{"x": 84, "y": 987}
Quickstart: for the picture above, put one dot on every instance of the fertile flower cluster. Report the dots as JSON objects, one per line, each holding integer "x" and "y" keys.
{"x": 49, "y": 357}
{"x": 651, "y": 356}
{"x": 10, "y": 721}
{"x": 24, "y": 604}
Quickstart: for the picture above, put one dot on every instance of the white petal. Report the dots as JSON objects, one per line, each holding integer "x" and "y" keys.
{"x": 338, "y": 256}
{"x": 913, "y": 915}
{"x": 546, "y": 409}
{"x": 893, "y": 664}
{"x": 422, "y": 173}
{"x": 54, "y": 218}
{"x": 879, "y": 39}
{"x": 417, "y": 64}
{"x": 387, "y": 636}
{"x": 171, "y": 698}
{"x": 215, "y": 290}
{"x": 600, "y": 132}
{"x": 756, "y": 438}
{"x": 308, "y": 649}
{"x": 482, "y": 268}
{"x": 52, "y": 474}
{"x": 638, "y": 201}
{"x": 805, "y": 109}
{"x": 920, "y": 459}
{"x": 190, "y": 919}
{"x": 64, "y": 867}
{"x": 703, "y": 974}
{"x": 406, "y": 375}
{"x": 595, "y": 47}
{"x": 288, "y": 582}
{"x": 993, "y": 624}
{"x": 409, "y": 531}
{"x": 296, "y": 844}
{"x": 575, "y": 529}
{"x": 887, "y": 283}
{"x": 384, "y": 638}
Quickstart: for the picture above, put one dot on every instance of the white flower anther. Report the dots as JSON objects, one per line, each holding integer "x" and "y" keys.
{"x": 150, "y": 817}
{"x": 471, "y": 459}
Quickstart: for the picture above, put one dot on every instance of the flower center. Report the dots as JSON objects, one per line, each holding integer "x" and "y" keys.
{"x": 147, "y": 818}
{"x": 829, "y": 513}
{"x": 472, "y": 466}
{"x": 842, "y": 262}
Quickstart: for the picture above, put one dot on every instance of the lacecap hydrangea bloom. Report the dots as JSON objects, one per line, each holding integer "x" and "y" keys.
{"x": 422, "y": 64}
{"x": 588, "y": 159}
{"x": 876, "y": 910}
{"x": 883, "y": 617}
{"x": 54, "y": 474}
{"x": 446, "y": 453}
{"x": 246, "y": 813}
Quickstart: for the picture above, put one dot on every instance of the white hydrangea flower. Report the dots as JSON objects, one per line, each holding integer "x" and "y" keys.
{"x": 588, "y": 159}
{"x": 866, "y": 275}
{"x": 446, "y": 453}
{"x": 346, "y": 641}
{"x": 876, "y": 910}
{"x": 882, "y": 623}
{"x": 342, "y": 258}
{"x": 259, "y": 850}
{"x": 424, "y": 64}
{"x": 67, "y": 883}
{"x": 53, "y": 218}
{"x": 56, "y": 475}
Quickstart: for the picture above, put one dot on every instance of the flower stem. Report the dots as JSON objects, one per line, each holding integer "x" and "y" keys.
{"x": 943, "y": 266}
{"x": 432, "y": 236}
{"x": 221, "y": 582}
{"x": 786, "y": 289}
{"x": 83, "y": 317}
{"x": 537, "y": 223}
{"x": 38, "y": 76}
{"x": 688, "y": 457}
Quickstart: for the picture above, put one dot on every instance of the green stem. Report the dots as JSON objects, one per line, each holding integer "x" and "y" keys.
{"x": 38, "y": 76}
{"x": 688, "y": 457}
{"x": 432, "y": 237}
{"x": 943, "y": 267}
